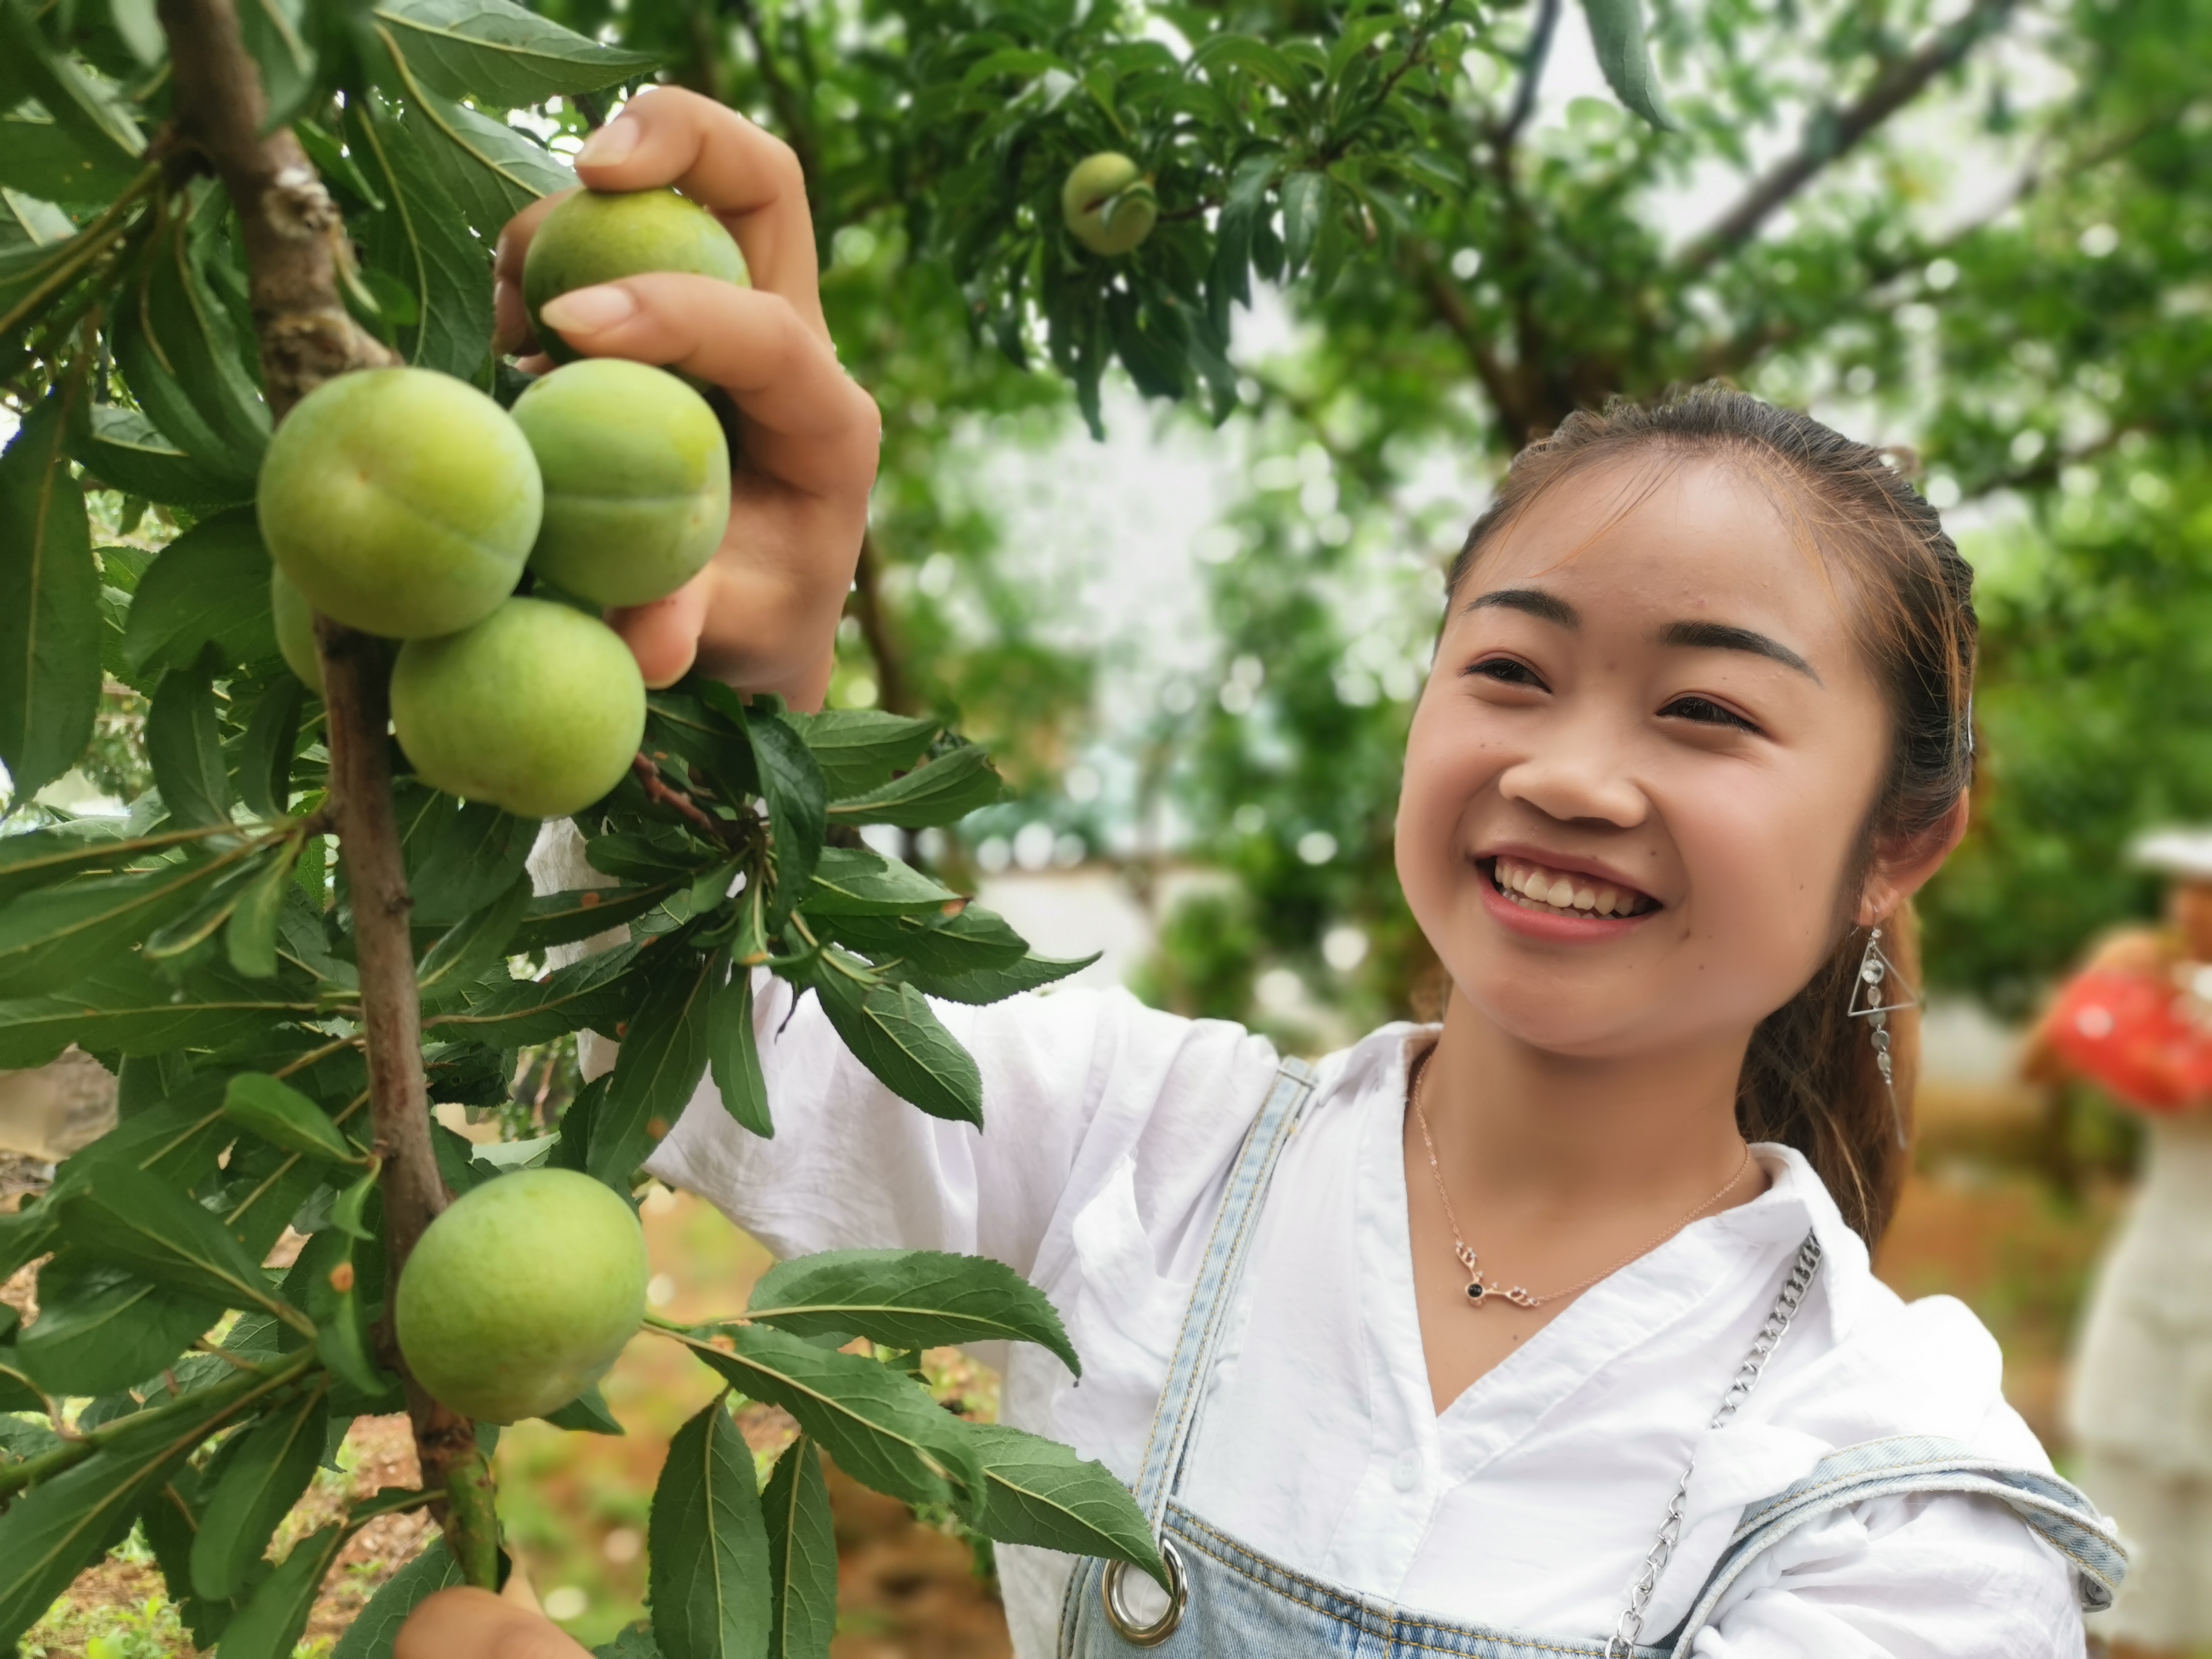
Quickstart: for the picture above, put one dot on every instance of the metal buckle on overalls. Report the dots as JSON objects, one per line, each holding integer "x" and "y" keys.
{"x": 1124, "y": 1626}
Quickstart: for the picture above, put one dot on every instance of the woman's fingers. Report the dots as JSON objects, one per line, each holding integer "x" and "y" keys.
{"x": 664, "y": 637}
{"x": 807, "y": 423}
{"x": 511, "y": 330}
{"x": 475, "y": 1624}
{"x": 747, "y": 178}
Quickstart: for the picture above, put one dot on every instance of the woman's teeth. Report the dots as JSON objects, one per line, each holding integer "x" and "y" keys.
{"x": 1537, "y": 887}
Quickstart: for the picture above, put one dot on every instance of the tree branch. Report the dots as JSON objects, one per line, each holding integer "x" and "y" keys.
{"x": 295, "y": 255}
{"x": 1502, "y": 384}
{"x": 1538, "y": 51}
{"x": 893, "y": 693}
{"x": 1833, "y": 133}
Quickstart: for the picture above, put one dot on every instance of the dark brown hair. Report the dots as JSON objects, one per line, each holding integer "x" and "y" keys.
{"x": 1810, "y": 1079}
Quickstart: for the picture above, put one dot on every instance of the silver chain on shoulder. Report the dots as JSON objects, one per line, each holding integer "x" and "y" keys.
{"x": 1621, "y": 1644}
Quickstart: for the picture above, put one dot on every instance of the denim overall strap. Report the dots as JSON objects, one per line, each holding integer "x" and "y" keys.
{"x": 1901, "y": 1466}
{"x": 1176, "y": 1414}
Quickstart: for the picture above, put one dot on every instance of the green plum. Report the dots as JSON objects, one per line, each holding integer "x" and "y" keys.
{"x": 602, "y": 236}
{"x": 400, "y": 502}
{"x": 520, "y": 1295}
{"x": 637, "y": 479}
{"x": 1108, "y": 204}
{"x": 538, "y": 709}
{"x": 296, "y": 630}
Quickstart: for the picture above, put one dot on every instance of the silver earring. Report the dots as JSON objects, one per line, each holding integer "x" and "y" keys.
{"x": 1876, "y": 982}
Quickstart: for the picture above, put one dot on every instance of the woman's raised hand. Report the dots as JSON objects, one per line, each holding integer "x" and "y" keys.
{"x": 763, "y": 615}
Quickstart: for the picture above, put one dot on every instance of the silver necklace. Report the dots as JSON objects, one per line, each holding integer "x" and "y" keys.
{"x": 1481, "y": 1289}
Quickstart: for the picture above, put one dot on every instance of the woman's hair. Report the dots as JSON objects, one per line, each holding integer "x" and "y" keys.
{"x": 1810, "y": 1079}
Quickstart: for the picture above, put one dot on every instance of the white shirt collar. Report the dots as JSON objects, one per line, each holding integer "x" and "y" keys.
{"x": 1797, "y": 1201}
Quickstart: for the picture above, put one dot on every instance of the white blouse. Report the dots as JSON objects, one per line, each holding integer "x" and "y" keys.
{"x": 1530, "y": 1502}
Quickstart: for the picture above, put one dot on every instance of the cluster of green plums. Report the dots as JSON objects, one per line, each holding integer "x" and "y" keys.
{"x": 408, "y": 504}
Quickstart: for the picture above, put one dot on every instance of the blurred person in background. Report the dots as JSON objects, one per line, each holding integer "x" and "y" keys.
{"x": 2137, "y": 1021}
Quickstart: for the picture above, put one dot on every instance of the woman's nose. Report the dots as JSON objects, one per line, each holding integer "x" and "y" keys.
{"x": 1576, "y": 773}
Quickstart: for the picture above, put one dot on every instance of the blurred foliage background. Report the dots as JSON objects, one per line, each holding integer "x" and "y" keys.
{"x": 1980, "y": 229}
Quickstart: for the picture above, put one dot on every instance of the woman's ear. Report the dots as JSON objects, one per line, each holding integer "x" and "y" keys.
{"x": 1901, "y": 869}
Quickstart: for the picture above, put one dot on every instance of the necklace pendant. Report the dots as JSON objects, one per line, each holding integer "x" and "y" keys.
{"x": 1477, "y": 1291}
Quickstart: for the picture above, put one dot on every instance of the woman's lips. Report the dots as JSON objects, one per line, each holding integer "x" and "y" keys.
{"x": 1518, "y": 891}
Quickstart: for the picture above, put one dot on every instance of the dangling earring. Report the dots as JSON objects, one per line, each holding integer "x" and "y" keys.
{"x": 1876, "y": 980}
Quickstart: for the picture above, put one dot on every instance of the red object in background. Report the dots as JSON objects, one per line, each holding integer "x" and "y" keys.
{"x": 2133, "y": 1035}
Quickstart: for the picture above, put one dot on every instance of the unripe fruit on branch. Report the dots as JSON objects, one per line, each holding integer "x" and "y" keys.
{"x": 637, "y": 479}
{"x": 520, "y": 1295}
{"x": 602, "y": 236}
{"x": 1108, "y": 204}
{"x": 400, "y": 502}
{"x": 538, "y": 709}
{"x": 296, "y": 630}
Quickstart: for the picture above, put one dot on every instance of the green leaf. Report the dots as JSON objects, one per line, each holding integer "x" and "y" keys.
{"x": 99, "y": 1329}
{"x": 179, "y": 353}
{"x": 1306, "y": 198}
{"x": 377, "y": 1626}
{"x": 733, "y": 1053}
{"x": 133, "y": 1221}
{"x": 852, "y": 881}
{"x": 709, "y": 1567}
{"x": 943, "y": 792}
{"x": 980, "y": 986}
{"x": 892, "y": 1031}
{"x": 49, "y": 603}
{"x": 802, "y": 1556}
{"x": 461, "y": 855}
{"x": 184, "y": 742}
{"x": 421, "y": 242}
{"x": 1038, "y": 1492}
{"x": 879, "y": 1424}
{"x": 261, "y": 1481}
{"x": 18, "y": 1393}
{"x": 489, "y": 170}
{"x": 1253, "y": 55}
{"x": 858, "y": 748}
{"x": 791, "y": 784}
{"x": 54, "y": 935}
{"x": 209, "y": 587}
{"x": 123, "y": 1007}
{"x": 41, "y": 157}
{"x": 501, "y": 53}
{"x": 83, "y": 846}
{"x": 272, "y": 737}
{"x": 275, "y": 34}
{"x": 473, "y": 943}
{"x": 967, "y": 942}
{"x": 664, "y": 1056}
{"x": 250, "y": 935}
{"x": 564, "y": 918}
{"x": 271, "y": 1624}
{"x": 1616, "y": 29}
{"x": 586, "y": 1413}
{"x": 61, "y": 1526}
{"x": 594, "y": 994}
{"x": 97, "y": 120}
{"x": 122, "y": 449}
{"x": 909, "y": 1299}
{"x": 284, "y": 1117}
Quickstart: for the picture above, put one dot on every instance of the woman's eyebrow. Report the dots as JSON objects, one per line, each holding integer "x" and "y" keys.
{"x": 1532, "y": 600}
{"x": 1721, "y": 636}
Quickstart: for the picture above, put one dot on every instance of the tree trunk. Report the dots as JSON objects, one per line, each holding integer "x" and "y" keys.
{"x": 295, "y": 252}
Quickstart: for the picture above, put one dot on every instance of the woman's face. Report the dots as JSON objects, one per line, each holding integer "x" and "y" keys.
{"x": 1639, "y": 772}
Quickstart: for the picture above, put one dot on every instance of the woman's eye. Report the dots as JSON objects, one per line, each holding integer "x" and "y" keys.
{"x": 1706, "y": 712}
{"x": 1507, "y": 671}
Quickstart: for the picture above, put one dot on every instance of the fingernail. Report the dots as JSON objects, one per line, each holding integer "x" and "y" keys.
{"x": 589, "y": 310}
{"x": 611, "y": 143}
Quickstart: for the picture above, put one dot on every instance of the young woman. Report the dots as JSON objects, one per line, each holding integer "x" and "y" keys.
{"x": 1551, "y": 1330}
